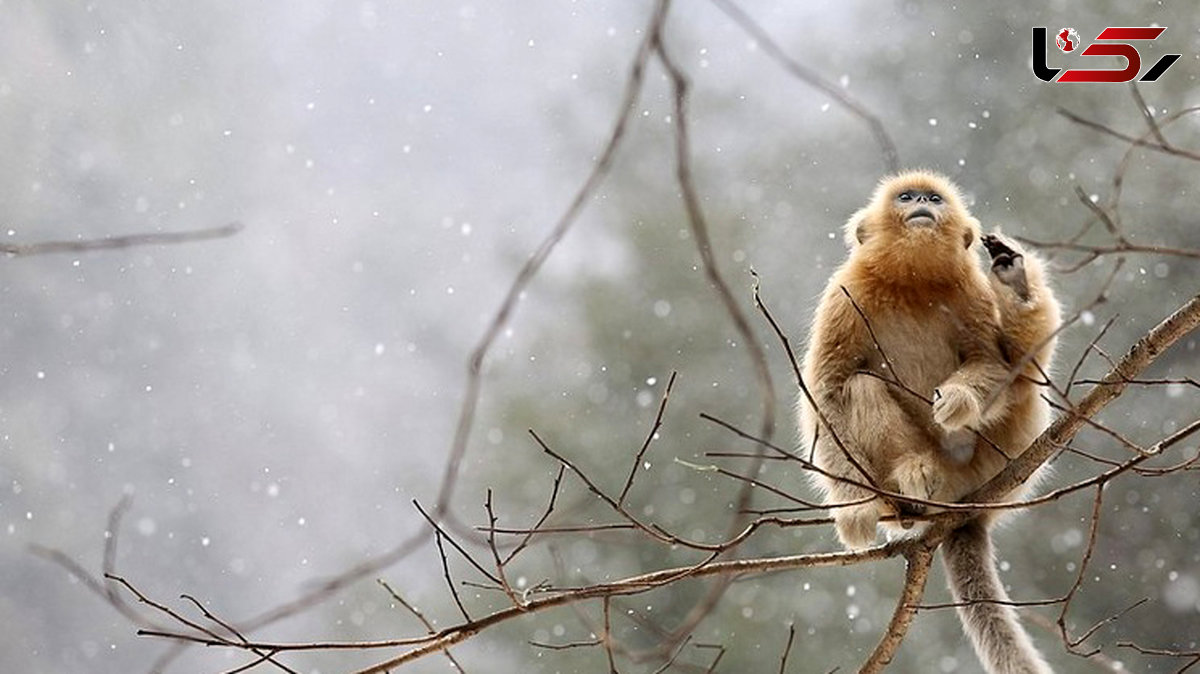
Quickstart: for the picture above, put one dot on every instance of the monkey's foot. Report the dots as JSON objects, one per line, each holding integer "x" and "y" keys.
{"x": 920, "y": 477}
{"x": 856, "y": 524}
{"x": 955, "y": 407}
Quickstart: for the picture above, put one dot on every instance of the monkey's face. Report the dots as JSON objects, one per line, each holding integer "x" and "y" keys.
{"x": 920, "y": 206}
{"x": 926, "y": 209}
{"x": 916, "y": 208}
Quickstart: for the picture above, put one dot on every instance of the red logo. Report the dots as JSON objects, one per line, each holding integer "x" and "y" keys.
{"x": 1067, "y": 40}
{"x": 1112, "y": 41}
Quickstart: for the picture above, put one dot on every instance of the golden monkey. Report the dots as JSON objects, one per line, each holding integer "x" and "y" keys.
{"x": 930, "y": 326}
{"x": 910, "y": 318}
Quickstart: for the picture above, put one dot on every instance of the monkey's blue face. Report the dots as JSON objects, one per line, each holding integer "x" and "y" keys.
{"x": 920, "y": 207}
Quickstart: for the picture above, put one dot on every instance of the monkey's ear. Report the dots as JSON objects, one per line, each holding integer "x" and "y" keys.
{"x": 971, "y": 233}
{"x": 857, "y": 229}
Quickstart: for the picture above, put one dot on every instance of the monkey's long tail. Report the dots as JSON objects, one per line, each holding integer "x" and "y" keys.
{"x": 999, "y": 640}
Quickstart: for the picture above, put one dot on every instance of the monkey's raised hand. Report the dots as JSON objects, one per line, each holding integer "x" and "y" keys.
{"x": 1007, "y": 264}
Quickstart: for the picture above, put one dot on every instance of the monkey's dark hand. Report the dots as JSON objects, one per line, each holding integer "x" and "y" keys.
{"x": 1007, "y": 264}
{"x": 1002, "y": 253}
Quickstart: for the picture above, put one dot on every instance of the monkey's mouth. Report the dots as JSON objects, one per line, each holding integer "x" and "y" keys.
{"x": 921, "y": 217}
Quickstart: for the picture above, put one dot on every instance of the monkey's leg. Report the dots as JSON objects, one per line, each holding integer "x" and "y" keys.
{"x": 857, "y": 524}
{"x": 855, "y": 509}
{"x": 907, "y": 457}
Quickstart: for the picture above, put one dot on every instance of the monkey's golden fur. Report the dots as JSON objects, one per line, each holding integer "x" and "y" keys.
{"x": 930, "y": 325}
{"x": 937, "y": 319}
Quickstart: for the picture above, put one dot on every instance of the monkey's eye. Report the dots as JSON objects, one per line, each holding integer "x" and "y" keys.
{"x": 906, "y": 196}
{"x": 935, "y": 198}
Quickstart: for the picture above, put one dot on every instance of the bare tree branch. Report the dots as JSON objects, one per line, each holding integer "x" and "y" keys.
{"x": 919, "y": 560}
{"x": 1144, "y": 352}
{"x": 119, "y": 242}
{"x": 637, "y": 460}
{"x": 533, "y": 265}
{"x": 887, "y": 147}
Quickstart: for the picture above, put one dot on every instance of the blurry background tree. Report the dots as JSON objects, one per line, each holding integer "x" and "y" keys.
{"x": 273, "y": 402}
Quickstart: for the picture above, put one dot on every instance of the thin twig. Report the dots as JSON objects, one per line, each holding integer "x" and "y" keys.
{"x": 421, "y": 617}
{"x": 538, "y": 526}
{"x": 1147, "y": 115}
{"x": 437, "y": 539}
{"x": 1140, "y": 142}
{"x": 637, "y": 460}
{"x": 466, "y": 555}
{"x": 887, "y": 147}
{"x": 607, "y": 638}
{"x": 1072, "y": 644}
{"x": 119, "y": 242}
{"x": 504, "y": 584}
{"x": 787, "y": 649}
{"x": 98, "y": 586}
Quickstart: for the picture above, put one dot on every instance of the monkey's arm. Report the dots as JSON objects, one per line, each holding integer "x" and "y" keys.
{"x": 1029, "y": 312}
{"x": 976, "y": 394}
{"x": 1028, "y": 320}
